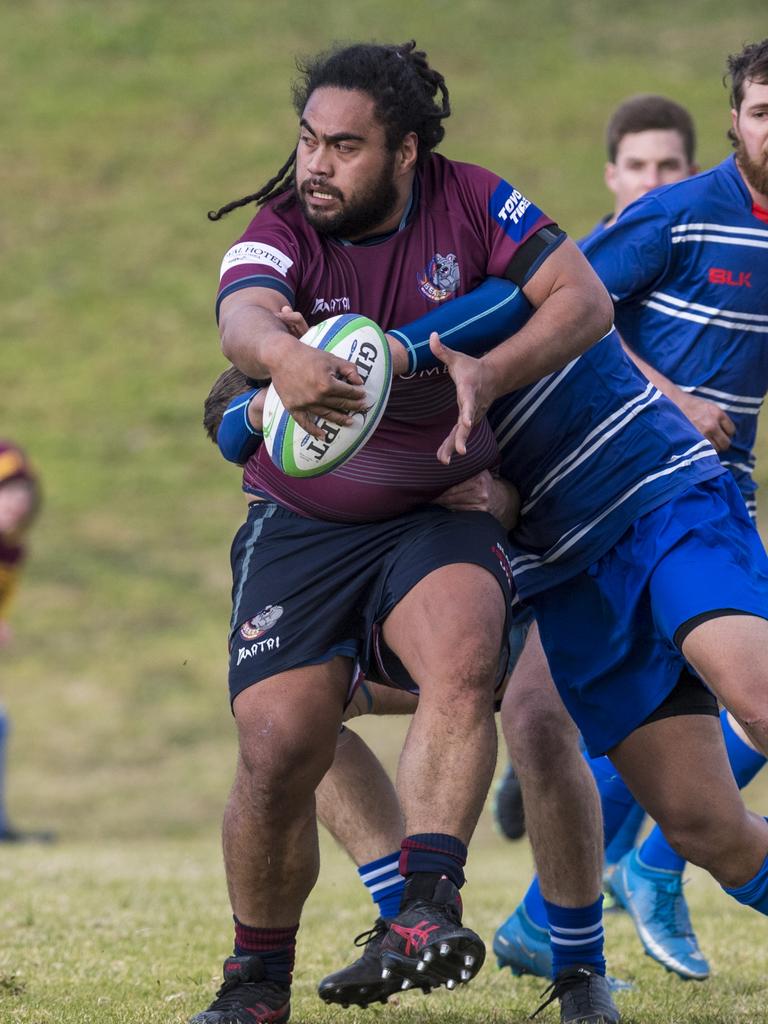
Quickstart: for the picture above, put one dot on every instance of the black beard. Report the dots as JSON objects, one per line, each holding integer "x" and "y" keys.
{"x": 755, "y": 173}
{"x": 359, "y": 218}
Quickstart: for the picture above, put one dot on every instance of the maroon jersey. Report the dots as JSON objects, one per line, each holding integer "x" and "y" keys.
{"x": 465, "y": 224}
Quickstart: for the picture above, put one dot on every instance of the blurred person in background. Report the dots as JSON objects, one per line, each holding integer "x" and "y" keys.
{"x": 19, "y": 504}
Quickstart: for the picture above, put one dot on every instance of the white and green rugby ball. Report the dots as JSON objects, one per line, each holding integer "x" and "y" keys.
{"x": 299, "y": 454}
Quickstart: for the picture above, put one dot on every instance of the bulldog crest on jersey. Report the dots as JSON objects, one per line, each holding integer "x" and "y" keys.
{"x": 261, "y": 623}
{"x": 440, "y": 278}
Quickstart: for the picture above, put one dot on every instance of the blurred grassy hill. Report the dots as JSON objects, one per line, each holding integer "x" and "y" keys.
{"x": 122, "y": 124}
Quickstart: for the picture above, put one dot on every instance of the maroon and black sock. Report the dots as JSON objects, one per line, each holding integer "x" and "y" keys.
{"x": 275, "y": 947}
{"x": 433, "y": 853}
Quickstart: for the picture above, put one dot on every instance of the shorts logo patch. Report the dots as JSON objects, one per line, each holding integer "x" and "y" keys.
{"x": 255, "y": 253}
{"x": 504, "y": 562}
{"x": 261, "y": 623}
{"x": 440, "y": 278}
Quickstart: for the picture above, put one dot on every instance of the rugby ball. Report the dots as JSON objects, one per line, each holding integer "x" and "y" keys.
{"x": 297, "y": 453}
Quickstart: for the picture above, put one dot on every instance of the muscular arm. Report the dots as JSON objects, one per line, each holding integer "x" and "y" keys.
{"x": 544, "y": 339}
{"x": 253, "y": 338}
{"x": 634, "y": 257}
{"x": 497, "y": 311}
{"x": 713, "y": 422}
{"x": 573, "y": 312}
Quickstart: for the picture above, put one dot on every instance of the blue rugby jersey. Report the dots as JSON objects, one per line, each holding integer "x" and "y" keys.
{"x": 687, "y": 267}
{"x": 590, "y": 449}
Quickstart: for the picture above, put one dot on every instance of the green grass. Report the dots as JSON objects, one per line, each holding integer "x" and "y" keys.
{"x": 135, "y": 932}
{"x": 122, "y": 123}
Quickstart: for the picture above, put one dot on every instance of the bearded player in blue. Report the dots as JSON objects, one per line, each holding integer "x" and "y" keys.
{"x": 688, "y": 270}
{"x": 684, "y": 268}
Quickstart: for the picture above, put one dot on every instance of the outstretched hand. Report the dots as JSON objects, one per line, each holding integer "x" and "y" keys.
{"x": 474, "y": 394}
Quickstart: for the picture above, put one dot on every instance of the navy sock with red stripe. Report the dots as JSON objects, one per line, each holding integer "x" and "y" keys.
{"x": 433, "y": 853}
{"x": 275, "y": 947}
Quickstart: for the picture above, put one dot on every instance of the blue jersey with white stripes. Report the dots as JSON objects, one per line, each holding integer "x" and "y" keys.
{"x": 590, "y": 448}
{"x": 687, "y": 267}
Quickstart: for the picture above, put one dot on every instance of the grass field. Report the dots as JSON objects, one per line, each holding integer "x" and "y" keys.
{"x": 123, "y": 123}
{"x": 134, "y": 931}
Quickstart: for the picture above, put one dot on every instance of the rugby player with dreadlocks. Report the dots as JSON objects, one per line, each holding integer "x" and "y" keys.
{"x": 365, "y": 217}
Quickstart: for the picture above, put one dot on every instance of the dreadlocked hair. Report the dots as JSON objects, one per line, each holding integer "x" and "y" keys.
{"x": 399, "y": 80}
{"x": 281, "y": 182}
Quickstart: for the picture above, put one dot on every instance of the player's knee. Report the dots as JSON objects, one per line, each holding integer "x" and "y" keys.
{"x": 701, "y": 838}
{"x": 284, "y": 765}
{"x": 464, "y": 670}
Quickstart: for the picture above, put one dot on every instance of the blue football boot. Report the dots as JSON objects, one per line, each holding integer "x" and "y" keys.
{"x": 654, "y": 899}
{"x": 523, "y": 946}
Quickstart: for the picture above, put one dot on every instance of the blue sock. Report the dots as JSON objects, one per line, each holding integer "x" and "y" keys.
{"x": 626, "y": 837}
{"x": 576, "y": 935}
{"x": 534, "y": 905}
{"x": 745, "y": 762}
{"x": 615, "y": 798}
{"x": 434, "y": 853}
{"x": 384, "y": 882}
{"x": 4, "y": 730}
{"x": 753, "y": 893}
{"x": 657, "y": 853}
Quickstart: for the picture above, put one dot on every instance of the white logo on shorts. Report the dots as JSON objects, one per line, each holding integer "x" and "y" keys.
{"x": 259, "y": 647}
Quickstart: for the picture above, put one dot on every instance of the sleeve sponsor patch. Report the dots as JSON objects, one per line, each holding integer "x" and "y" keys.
{"x": 514, "y": 214}
{"x": 255, "y": 253}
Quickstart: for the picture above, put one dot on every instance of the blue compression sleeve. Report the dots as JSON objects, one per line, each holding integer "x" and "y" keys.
{"x": 236, "y": 437}
{"x": 472, "y": 323}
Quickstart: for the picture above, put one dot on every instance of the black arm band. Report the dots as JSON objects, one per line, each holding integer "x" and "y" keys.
{"x": 533, "y": 252}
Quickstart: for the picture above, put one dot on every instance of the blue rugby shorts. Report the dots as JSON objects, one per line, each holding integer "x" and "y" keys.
{"x": 609, "y": 632}
{"x": 307, "y": 590}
